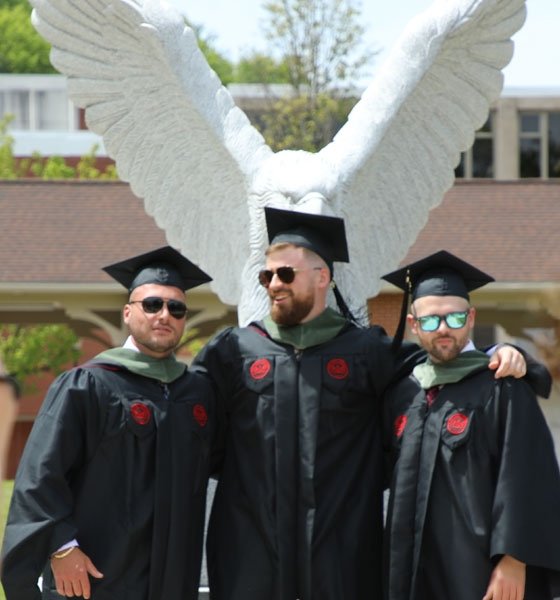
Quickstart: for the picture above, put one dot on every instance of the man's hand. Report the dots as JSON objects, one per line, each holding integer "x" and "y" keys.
{"x": 507, "y": 581}
{"x": 507, "y": 360}
{"x": 71, "y": 574}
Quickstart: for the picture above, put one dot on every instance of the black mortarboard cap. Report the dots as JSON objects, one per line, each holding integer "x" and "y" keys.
{"x": 164, "y": 266}
{"x": 326, "y": 236}
{"x": 439, "y": 274}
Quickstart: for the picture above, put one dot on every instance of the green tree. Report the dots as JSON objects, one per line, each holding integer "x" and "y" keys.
{"x": 86, "y": 169}
{"x": 293, "y": 123}
{"x": 22, "y": 49}
{"x": 8, "y": 165}
{"x": 33, "y": 350}
{"x": 260, "y": 68}
{"x": 320, "y": 40}
{"x": 320, "y": 44}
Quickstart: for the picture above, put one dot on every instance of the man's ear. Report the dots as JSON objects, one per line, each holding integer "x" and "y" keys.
{"x": 324, "y": 278}
{"x": 126, "y": 313}
{"x": 472, "y": 316}
{"x": 412, "y": 323}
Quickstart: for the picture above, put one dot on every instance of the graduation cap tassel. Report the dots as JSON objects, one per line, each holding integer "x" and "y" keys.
{"x": 399, "y": 333}
{"x": 342, "y": 306}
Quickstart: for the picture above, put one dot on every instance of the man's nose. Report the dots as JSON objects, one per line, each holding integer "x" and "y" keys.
{"x": 443, "y": 325}
{"x": 275, "y": 281}
{"x": 163, "y": 313}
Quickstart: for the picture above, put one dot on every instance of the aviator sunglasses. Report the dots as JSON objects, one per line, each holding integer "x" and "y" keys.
{"x": 453, "y": 320}
{"x": 284, "y": 274}
{"x": 154, "y": 304}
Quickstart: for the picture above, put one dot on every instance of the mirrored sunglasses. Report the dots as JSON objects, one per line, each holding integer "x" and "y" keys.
{"x": 284, "y": 274}
{"x": 453, "y": 320}
{"x": 154, "y": 304}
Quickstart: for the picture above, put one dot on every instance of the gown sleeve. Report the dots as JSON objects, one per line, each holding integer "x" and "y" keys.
{"x": 538, "y": 376}
{"x": 525, "y": 512}
{"x": 213, "y": 361}
{"x": 66, "y": 431}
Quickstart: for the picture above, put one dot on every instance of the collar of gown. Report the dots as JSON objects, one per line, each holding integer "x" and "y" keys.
{"x": 429, "y": 374}
{"x": 165, "y": 370}
{"x": 311, "y": 333}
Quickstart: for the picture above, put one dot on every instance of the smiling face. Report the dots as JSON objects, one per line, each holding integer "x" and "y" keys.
{"x": 443, "y": 344}
{"x": 304, "y": 298}
{"x": 155, "y": 334}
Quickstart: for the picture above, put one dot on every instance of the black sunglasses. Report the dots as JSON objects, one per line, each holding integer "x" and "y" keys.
{"x": 453, "y": 320}
{"x": 153, "y": 305}
{"x": 284, "y": 274}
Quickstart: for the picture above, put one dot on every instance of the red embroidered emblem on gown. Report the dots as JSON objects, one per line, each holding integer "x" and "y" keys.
{"x": 140, "y": 413}
{"x": 260, "y": 368}
{"x": 200, "y": 415}
{"x": 337, "y": 368}
{"x": 457, "y": 423}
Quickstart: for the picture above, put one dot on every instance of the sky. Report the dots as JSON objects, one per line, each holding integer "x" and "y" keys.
{"x": 235, "y": 25}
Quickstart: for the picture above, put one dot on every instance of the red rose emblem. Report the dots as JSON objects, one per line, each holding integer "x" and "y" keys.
{"x": 200, "y": 415}
{"x": 140, "y": 413}
{"x": 337, "y": 368}
{"x": 260, "y": 368}
{"x": 457, "y": 423}
{"x": 399, "y": 425}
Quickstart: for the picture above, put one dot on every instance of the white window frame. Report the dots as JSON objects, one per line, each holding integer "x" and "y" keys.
{"x": 542, "y": 135}
{"x": 467, "y": 156}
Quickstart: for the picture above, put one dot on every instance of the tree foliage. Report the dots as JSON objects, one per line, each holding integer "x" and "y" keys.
{"x": 8, "y": 166}
{"x": 33, "y": 350}
{"x": 296, "y": 124}
{"x": 261, "y": 68}
{"x": 22, "y": 49}
{"x": 320, "y": 41}
{"x": 319, "y": 44}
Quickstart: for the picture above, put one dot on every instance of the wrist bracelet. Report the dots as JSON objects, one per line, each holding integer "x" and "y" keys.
{"x": 64, "y": 552}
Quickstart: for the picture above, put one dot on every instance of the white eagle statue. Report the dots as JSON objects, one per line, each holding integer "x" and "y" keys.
{"x": 205, "y": 173}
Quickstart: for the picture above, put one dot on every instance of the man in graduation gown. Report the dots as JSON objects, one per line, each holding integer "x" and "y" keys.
{"x": 109, "y": 498}
{"x": 475, "y": 497}
{"x": 298, "y": 507}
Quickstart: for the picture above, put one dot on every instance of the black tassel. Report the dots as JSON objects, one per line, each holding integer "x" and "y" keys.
{"x": 342, "y": 306}
{"x": 399, "y": 333}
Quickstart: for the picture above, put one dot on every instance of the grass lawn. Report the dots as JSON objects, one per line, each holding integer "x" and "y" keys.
{"x": 6, "y": 494}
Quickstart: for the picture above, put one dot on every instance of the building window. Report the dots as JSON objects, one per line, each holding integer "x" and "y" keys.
{"x": 554, "y": 145}
{"x": 478, "y": 161}
{"x": 51, "y": 109}
{"x": 16, "y": 103}
{"x": 36, "y": 109}
{"x": 539, "y": 144}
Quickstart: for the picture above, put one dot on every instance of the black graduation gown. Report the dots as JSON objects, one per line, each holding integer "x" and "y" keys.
{"x": 476, "y": 478}
{"x": 120, "y": 462}
{"x": 298, "y": 507}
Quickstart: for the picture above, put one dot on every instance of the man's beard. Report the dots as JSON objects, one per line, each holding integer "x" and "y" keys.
{"x": 292, "y": 313}
{"x": 448, "y": 353}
